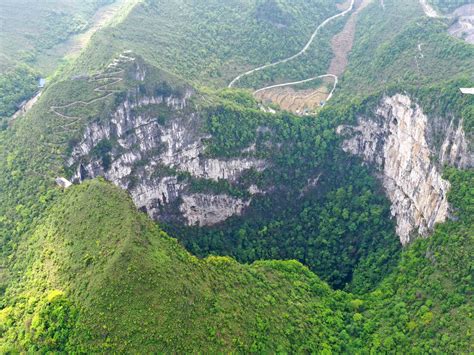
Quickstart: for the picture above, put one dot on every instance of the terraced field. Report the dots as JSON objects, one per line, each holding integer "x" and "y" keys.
{"x": 309, "y": 100}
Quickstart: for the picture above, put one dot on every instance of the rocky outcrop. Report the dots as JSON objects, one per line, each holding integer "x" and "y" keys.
{"x": 153, "y": 146}
{"x": 399, "y": 141}
{"x": 455, "y": 148}
{"x": 184, "y": 154}
{"x": 206, "y": 210}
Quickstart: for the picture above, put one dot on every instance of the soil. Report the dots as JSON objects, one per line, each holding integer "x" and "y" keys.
{"x": 342, "y": 42}
{"x": 297, "y": 101}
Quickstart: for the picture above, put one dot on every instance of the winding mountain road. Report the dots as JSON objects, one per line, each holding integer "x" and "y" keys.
{"x": 108, "y": 78}
{"x": 336, "y": 80}
{"x": 301, "y": 52}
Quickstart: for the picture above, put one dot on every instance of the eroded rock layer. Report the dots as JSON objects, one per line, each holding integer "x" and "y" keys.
{"x": 153, "y": 146}
{"x": 400, "y": 141}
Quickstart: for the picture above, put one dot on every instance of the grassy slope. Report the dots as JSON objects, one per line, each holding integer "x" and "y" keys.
{"x": 130, "y": 287}
{"x": 198, "y": 40}
{"x": 137, "y": 289}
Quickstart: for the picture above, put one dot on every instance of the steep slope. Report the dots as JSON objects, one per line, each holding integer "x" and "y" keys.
{"x": 398, "y": 47}
{"x": 204, "y": 163}
{"x": 83, "y": 271}
{"x": 214, "y": 47}
{"x": 37, "y": 35}
{"x": 31, "y": 28}
{"x": 263, "y": 185}
{"x": 129, "y": 287}
{"x": 99, "y": 276}
{"x": 401, "y": 143}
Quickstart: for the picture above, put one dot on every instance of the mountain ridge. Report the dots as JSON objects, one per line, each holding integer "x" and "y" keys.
{"x": 83, "y": 269}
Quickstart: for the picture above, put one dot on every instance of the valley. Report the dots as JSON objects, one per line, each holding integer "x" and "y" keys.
{"x": 45, "y": 57}
{"x": 241, "y": 176}
{"x": 299, "y": 103}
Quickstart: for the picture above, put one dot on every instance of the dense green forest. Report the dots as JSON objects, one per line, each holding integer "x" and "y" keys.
{"x": 312, "y": 266}
{"x": 337, "y": 226}
{"x": 447, "y": 6}
{"x": 16, "y": 86}
{"x": 214, "y": 47}
{"x": 126, "y": 286}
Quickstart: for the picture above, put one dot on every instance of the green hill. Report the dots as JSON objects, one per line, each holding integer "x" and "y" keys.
{"x": 313, "y": 262}
{"x": 99, "y": 276}
{"x": 103, "y": 277}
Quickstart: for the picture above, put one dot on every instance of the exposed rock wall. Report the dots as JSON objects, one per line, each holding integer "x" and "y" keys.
{"x": 206, "y": 210}
{"x": 147, "y": 152}
{"x": 399, "y": 142}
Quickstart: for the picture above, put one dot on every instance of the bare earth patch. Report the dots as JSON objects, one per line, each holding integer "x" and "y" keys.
{"x": 343, "y": 5}
{"x": 342, "y": 42}
{"x": 308, "y": 101}
{"x": 463, "y": 25}
{"x": 297, "y": 101}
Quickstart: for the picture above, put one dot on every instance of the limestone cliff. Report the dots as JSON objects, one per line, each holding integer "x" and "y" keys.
{"x": 400, "y": 142}
{"x": 153, "y": 146}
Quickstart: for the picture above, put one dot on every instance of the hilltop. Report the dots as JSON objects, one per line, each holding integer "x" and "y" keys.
{"x": 202, "y": 218}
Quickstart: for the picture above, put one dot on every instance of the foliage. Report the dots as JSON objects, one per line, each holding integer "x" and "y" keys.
{"x": 398, "y": 48}
{"x": 200, "y": 42}
{"x": 447, "y": 6}
{"x": 53, "y": 323}
{"x": 323, "y": 210}
{"x": 83, "y": 271}
{"x": 140, "y": 291}
{"x": 16, "y": 85}
{"x": 30, "y": 30}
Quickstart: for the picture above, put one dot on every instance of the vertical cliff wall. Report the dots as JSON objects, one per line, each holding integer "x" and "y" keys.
{"x": 400, "y": 142}
{"x": 153, "y": 147}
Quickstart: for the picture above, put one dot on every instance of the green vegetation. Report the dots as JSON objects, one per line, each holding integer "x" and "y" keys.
{"x": 398, "y": 48}
{"x": 83, "y": 271}
{"x": 426, "y": 305}
{"x": 135, "y": 289}
{"x": 16, "y": 86}
{"x": 447, "y": 6}
{"x": 325, "y": 210}
{"x": 32, "y": 32}
{"x": 31, "y": 28}
{"x": 214, "y": 47}
{"x": 102, "y": 277}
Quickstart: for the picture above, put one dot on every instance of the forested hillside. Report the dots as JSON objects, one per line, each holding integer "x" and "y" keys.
{"x": 201, "y": 219}
{"x": 446, "y": 6}
{"x": 98, "y": 276}
{"x": 34, "y": 38}
{"x": 214, "y": 47}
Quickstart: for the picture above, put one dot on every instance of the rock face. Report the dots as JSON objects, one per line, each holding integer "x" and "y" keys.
{"x": 153, "y": 147}
{"x": 400, "y": 142}
{"x": 207, "y": 210}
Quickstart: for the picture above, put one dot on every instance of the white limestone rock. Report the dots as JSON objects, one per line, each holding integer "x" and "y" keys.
{"x": 143, "y": 147}
{"x": 396, "y": 143}
{"x": 207, "y": 210}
